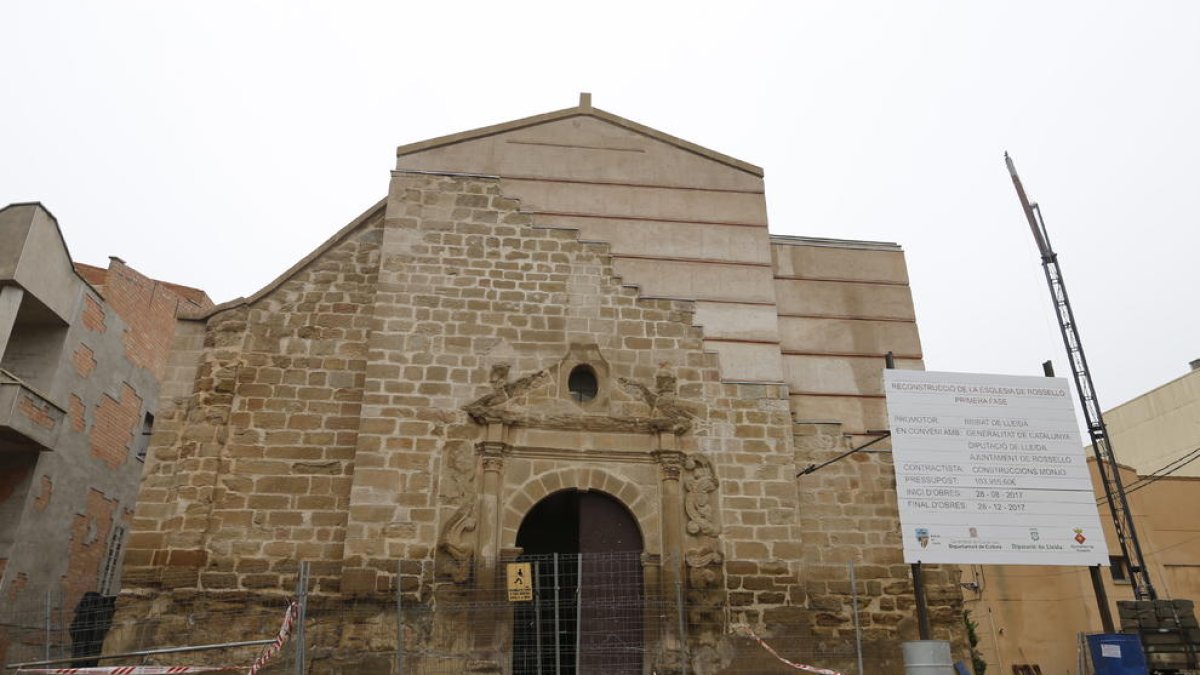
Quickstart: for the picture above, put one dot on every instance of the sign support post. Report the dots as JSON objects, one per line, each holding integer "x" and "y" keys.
{"x": 918, "y": 575}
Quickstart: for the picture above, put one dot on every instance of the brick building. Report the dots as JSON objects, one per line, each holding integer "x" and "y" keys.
{"x": 82, "y": 351}
{"x": 567, "y": 334}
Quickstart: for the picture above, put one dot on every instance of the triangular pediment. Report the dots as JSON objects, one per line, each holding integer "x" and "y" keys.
{"x": 563, "y": 142}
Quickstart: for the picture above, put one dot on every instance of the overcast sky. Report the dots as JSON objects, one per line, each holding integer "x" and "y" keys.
{"x": 214, "y": 144}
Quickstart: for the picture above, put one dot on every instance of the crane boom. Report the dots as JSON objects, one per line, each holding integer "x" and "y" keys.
{"x": 1106, "y": 460}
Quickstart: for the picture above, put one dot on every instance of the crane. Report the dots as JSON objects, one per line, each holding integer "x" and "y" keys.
{"x": 1106, "y": 460}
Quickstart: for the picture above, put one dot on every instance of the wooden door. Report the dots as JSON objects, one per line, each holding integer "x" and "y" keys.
{"x": 611, "y": 616}
{"x": 587, "y": 618}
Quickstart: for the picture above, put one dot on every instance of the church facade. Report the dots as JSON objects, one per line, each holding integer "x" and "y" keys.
{"x": 567, "y": 334}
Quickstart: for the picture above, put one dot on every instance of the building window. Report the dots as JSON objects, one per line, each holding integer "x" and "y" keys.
{"x": 1119, "y": 568}
{"x": 143, "y": 441}
{"x": 582, "y": 384}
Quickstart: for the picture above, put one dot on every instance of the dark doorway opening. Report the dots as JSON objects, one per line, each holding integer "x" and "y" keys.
{"x": 587, "y": 614}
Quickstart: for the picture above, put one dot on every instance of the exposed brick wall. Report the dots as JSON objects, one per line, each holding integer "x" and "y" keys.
{"x": 90, "y": 532}
{"x": 37, "y": 411}
{"x": 114, "y": 426}
{"x": 77, "y": 411}
{"x": 84, "y": 360}
{"x": 93, "y": 315}
{"x": 149, "y": 309}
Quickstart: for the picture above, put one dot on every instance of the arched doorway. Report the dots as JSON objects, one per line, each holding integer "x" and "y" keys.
{"x": 587, "y": 617}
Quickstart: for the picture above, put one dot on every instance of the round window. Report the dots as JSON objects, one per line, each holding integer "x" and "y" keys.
{"x": 582, "y": 383}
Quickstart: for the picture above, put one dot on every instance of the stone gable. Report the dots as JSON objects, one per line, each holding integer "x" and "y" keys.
{"x": 394, "y": 409}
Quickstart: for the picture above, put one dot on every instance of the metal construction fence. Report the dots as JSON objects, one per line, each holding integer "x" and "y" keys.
{"x": 607, "y": 613}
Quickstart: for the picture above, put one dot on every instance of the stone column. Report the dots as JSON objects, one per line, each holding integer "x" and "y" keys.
{"x": 489, "y": 635}
{"x": 670, "y": 464}
{"x": 491, "y": 458}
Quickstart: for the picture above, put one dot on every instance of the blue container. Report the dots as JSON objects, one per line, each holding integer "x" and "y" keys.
{"x": 1117, "y": 654}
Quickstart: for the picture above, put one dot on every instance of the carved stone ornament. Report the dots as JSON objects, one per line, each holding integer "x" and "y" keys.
{"x": 457, "y": 543}
{"x": 704, "y": 556}
{"x": 488, "y": 409}
{"x": 493, "y": 463}
{"x": 705, "y": 569}
{"x": 671, "y": 471}
{"x": 700, "y": 484}
{"x": 670, "y": 463}
{"x": 508, "y": 403}
{"x": 669, "y": 414}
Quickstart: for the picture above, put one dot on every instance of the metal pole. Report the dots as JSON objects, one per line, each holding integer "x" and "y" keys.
{"x": 64, "y": 628}
{"x": 578, "y": 610}
{"x": 301, "y": 613}
{"x": 400, "y": 618}
{"x": 142, "y": 652}
{"x": 683, "y": 627}
{"x": 857, "y": 627}
{"x": 1106, "y": 619}
{"x": 683, "y": 623}
{"x": 996, "y": 639}
{"x": 537, "y": 615}
{"x": 922, "y": 609}
{"x": 557, "y": 627}
{"x": 918, "y": 577}
{"x": 49, "y": 605}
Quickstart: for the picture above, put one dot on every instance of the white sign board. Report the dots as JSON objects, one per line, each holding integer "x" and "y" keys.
{"x": 990, "y": 470}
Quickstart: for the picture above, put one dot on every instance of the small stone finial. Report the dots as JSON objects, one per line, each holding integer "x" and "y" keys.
{"x": 585, "y": 100}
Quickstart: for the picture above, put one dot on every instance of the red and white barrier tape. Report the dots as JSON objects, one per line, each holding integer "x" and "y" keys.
{"x": 790, "y": 664}
{"x": 132, "y": 669}
{"x": 285, "y": 632}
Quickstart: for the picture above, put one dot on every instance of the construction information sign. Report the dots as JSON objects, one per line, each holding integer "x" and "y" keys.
{"x": 990, "y": 470}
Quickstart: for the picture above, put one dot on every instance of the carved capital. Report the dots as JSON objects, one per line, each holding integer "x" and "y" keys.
{"x": 492, "y": 454}
{"x": 670, "y": 463}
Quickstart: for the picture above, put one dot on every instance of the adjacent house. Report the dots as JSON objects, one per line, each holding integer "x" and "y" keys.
{"x": 82, "y": 351}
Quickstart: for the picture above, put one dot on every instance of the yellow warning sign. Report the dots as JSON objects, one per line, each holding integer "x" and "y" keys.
{"x": 520, "y": 582}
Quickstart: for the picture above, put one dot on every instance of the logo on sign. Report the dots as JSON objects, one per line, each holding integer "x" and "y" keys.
{"x": 1079, "y": 538}
{"x": 1033, "y": 534}
{"x": 923, "y": 536}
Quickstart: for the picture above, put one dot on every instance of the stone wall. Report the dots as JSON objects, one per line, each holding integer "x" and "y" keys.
{"x": 848, "y": 514}
{"x": 251, "y": 470}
